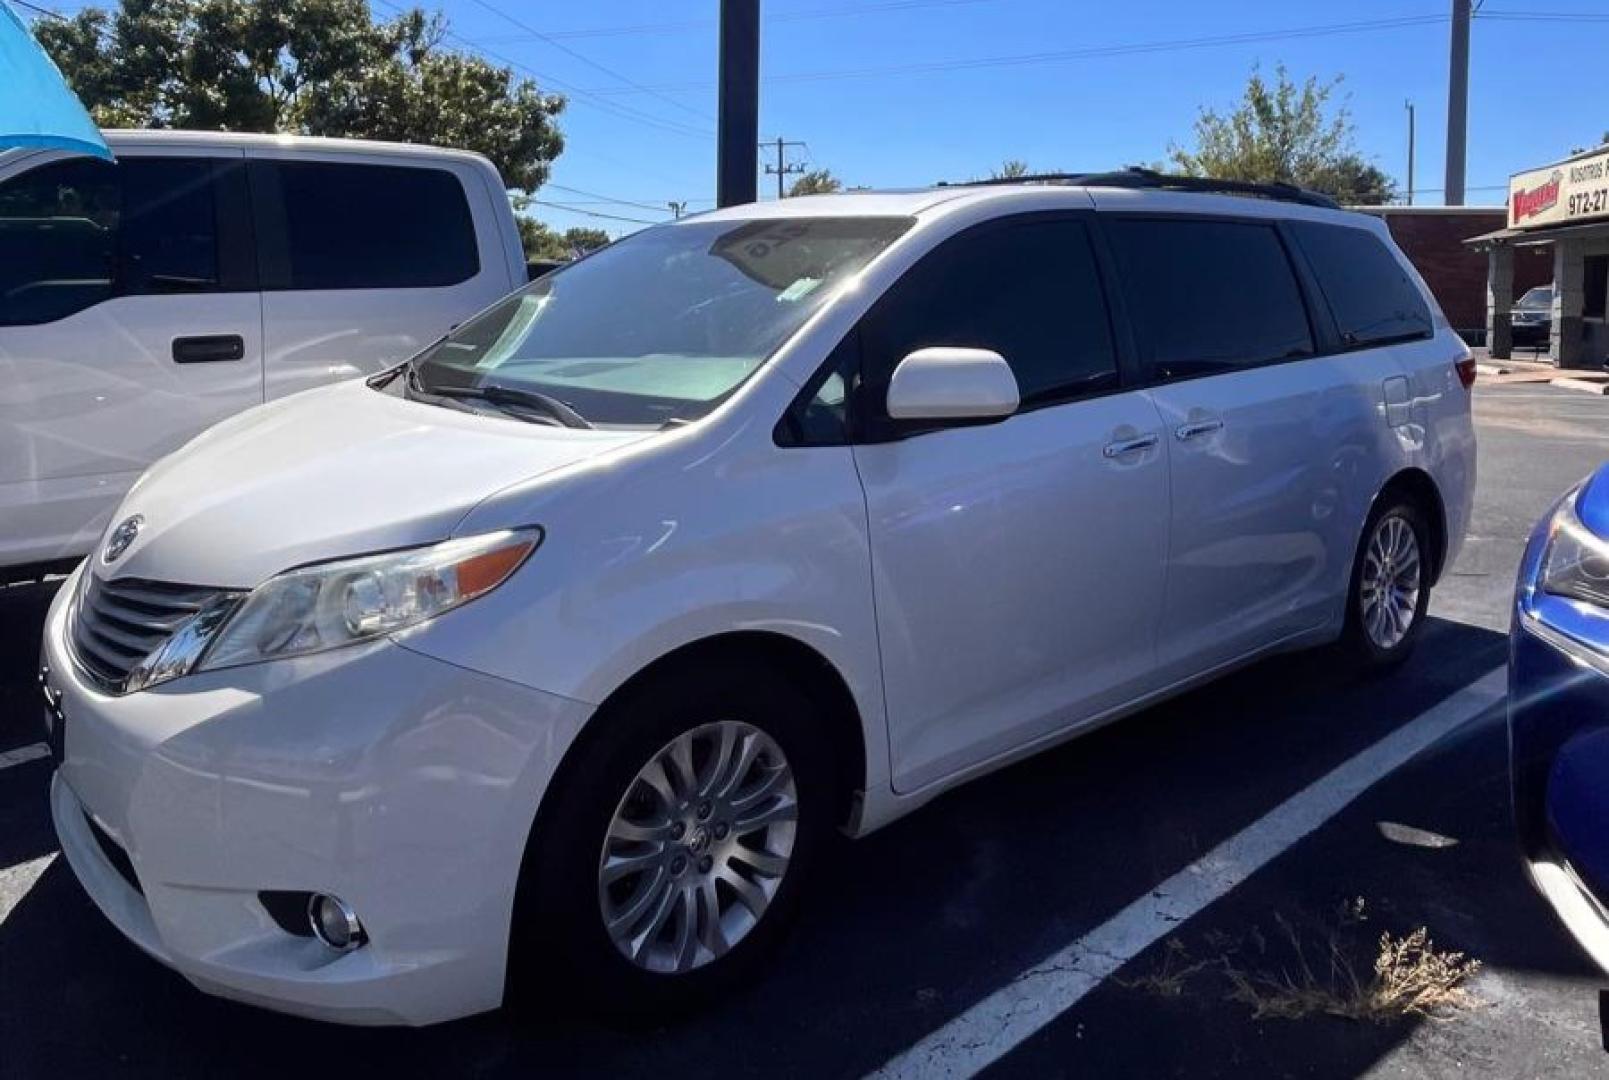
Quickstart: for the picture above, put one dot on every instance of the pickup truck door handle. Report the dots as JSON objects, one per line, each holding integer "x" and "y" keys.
{"x": 1128, "y": 446}
{"x": 1197, "y": 428}
{"x": 211, "y": 349}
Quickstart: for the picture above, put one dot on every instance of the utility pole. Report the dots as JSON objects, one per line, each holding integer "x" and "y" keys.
{"x": 1409, "y": 106}
{"x": 782, "y": 168}
{"x": 738, "y": 126}
{"x": 1457, "y": 104}
{"x": 677, "y": 209}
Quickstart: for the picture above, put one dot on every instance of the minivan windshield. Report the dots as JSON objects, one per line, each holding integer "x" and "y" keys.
{"x": 1537, "y": 299}
{"x": 658, "y": 327}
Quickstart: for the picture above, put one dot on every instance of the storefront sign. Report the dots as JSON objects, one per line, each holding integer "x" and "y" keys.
{"x": 1574, "y": 190}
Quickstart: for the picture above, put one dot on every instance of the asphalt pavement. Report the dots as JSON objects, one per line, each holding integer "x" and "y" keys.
{"x": 1140, "y": 902}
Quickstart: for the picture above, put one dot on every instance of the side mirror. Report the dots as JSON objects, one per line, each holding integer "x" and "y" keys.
{"x": 952, "y": 384}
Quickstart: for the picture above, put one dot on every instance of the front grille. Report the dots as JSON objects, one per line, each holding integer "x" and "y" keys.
{"x": 118, "y": 623}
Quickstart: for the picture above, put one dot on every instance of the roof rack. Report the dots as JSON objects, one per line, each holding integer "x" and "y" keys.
{"x": 1152, "y": 180}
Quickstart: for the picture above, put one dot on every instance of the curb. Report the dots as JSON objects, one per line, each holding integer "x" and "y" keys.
{"x": 1586, "y": 386}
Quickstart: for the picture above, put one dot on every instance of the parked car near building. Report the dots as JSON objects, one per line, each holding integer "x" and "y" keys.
{"x": 1559, "y": 711}
{"x": 1533, "y": 317}
{"x": 203, "y": 273}
{"x": 549, "y": 658}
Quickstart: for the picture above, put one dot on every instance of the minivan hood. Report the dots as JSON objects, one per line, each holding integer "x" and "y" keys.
{"x": 341, "y": 470}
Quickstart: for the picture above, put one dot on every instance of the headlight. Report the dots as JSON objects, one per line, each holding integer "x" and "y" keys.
{"x": 1576, "y": 563}
{"x": 340, "y": 603}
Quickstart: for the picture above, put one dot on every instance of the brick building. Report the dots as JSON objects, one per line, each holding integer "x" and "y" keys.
{"x": 1434, "y": 239}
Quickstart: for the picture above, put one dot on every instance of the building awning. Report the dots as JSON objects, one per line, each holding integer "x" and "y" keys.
{"x": 1595, "y": 230}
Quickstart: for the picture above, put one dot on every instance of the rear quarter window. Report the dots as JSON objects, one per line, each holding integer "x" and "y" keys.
{"x": 334, "y": 225}
{"x": 1373, "y": 299}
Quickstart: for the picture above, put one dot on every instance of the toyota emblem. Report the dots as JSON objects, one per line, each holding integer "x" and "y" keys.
{"x": 122, "y": 537}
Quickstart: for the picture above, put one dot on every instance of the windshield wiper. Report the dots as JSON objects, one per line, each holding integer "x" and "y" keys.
{"x": 518, "y": 397}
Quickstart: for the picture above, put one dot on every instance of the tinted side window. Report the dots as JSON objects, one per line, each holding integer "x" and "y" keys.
{"x": 170, "y": 231}
{"x": 1028, "y": 290}
{"x": 58, "y": 240}
{"x": 338, "y": 226}
{"x": 1372, "y": 297}
{"x": 74, "y": 233}
{"x": 1210, "y": 296}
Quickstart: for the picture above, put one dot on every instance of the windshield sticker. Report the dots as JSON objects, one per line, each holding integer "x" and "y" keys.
{"x": 800, "y": 289}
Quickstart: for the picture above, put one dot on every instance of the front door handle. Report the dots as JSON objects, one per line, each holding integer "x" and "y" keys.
{"x": 1196, "y": 428}
{"x": 1128, "y": 446}
{"x": 210, "y": 349}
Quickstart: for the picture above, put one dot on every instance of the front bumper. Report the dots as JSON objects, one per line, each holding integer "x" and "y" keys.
{"x": 1559, "y": 755}
{"x": 402, "y": 784}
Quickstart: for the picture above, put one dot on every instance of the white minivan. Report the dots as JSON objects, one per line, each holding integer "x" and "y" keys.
{"x": 548, "y": 659}
{"x": 204, "y": 273}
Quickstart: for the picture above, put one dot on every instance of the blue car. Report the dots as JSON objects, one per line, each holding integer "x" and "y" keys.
{"x": 1559, "y": 711}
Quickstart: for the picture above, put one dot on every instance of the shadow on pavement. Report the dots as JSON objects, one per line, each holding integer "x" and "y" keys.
{"x": 910, "y": 926}
{"x": 22, "y": 614}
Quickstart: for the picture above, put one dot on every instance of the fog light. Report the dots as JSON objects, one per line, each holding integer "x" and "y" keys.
{"x": 334, "y": 922}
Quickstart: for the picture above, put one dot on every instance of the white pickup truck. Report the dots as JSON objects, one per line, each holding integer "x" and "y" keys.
{"x": 204, "y": 273}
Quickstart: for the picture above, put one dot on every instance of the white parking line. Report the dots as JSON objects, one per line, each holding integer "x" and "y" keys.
{"x": 23, "y": 754}
{"x": 994, "y": 1026}
{"x": 15, "y": 881}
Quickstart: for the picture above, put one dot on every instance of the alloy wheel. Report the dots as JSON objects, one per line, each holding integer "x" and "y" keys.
{"x": 1390, "y": 583}
{"x": 697, "y": 847}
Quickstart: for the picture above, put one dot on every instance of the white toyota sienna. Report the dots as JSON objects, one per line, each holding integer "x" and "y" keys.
{"x": 549, "y": 659}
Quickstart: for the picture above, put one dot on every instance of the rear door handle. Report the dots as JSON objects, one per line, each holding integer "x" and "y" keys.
{"x": 1128, "y": 446}
{"x": 1196, "y": 428}
{"x": 211, "y": 349}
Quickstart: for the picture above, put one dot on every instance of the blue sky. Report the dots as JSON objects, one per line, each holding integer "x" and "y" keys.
{"x": 892, "y": 93}
{"x": 1532, "y": 85}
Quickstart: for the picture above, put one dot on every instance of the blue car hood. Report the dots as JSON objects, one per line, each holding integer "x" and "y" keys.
{"x": 1592, "y": 505}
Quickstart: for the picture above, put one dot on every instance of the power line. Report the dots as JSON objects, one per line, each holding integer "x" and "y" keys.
{"x": 580, "y": 94}
{"x": 1541, "y": 16}
{"x": 41, "y": 10}
{"x": 1482, "y": 187}
{"x": 528, "y": 28}
{"x": 607, "y": 199}
{"x": 574, "y": 209}
{"x": 782, "y": 16}
{"x": 1059, "y": 56}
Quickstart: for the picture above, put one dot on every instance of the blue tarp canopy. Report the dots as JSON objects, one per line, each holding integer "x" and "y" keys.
{"x": 36, "y": 108}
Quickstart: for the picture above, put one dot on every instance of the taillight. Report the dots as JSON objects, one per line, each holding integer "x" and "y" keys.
{"x": 1466, "y": 371}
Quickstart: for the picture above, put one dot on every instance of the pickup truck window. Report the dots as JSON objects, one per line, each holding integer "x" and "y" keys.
{"x": 664, "y": 324}
{"x": 78, "y": 232}
{"x": 332, "y": 225}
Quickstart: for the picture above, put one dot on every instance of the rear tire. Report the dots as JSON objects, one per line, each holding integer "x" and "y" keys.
{"x": 1390, "y": 586}
{"x": 690, "y": 819}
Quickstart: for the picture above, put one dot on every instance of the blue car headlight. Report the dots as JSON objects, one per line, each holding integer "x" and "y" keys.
{"x": 1576, "y": 562}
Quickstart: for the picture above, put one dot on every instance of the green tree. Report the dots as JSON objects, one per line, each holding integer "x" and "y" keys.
{"x": 816, "y": 182}
{"x": 1287, "y": 133}
{"x": 310, "y": 67}
{"x": 1010, "y": 169}
{"x": 542, "y": 242}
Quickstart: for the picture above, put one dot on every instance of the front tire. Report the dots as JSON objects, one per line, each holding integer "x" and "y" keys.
{"x": 671, "y": 855}
{"x": 1390, "y": 587}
